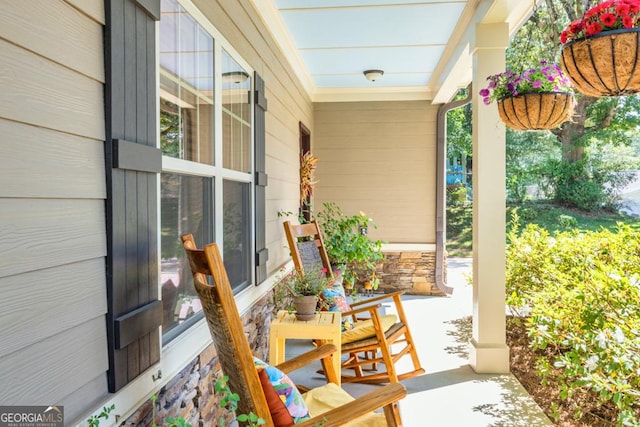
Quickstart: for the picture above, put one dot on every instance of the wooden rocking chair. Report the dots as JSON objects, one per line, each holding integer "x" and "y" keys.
{"x": 308, "y": 251}
{"x": 237, "y": 360}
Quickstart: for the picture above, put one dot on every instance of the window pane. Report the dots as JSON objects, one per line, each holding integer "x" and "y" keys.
{"x": 237, "y": 233}
{"x": 236, "y": 115}
{"x": 186, "y": 86}
{"x": 185, "y": 206}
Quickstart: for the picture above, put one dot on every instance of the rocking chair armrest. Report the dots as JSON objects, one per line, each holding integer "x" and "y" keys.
{"x": 378, "y": 298}
{"x": 305, "y": 359}
{"x": 370, "y": 402}
{"x": 370, "y": 308}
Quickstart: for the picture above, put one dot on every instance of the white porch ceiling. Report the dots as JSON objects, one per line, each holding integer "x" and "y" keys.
{"x": 421, "y": 45}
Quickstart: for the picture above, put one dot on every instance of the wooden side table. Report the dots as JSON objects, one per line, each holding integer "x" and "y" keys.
{"x": 327, "y": 326}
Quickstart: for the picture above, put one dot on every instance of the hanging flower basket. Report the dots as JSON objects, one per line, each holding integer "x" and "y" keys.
{"x": 601, "y": 49}
{"x": 606, "y": 64}
{"x": 536, "y": 111}
{"x": 538, "y": 98}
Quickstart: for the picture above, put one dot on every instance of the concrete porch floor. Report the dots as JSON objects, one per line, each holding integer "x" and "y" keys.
{"x": 450, "y": 393}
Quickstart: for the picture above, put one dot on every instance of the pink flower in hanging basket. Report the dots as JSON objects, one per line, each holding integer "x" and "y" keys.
{"x": 544, "y": 77}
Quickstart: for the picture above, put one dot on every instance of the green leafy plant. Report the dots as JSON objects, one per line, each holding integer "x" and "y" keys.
{"x": 304, "y": 283}
{"x": 175, "y": 422}
{"x": 347, "y": 241}
{"x": 296, "y": 283}
{"x": 94, "y": 420}
{"x": 300, "y": 215}
{"x": 170, "y": 421}
{"x": 580, "y": 293}
{"x": 229, "y": 401}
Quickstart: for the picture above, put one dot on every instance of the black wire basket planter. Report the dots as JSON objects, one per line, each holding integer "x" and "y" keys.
{"x": 536, "y": 111}
{"x": 605, "y": 64}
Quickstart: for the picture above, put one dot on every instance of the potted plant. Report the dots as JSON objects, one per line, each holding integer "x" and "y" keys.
{"x": 370, "y": 284}
{"x": 601, "y": 53}
{"x": 538, "y": 98}
{"x": 349, "y": 247}
{"x": 300, "y": 291}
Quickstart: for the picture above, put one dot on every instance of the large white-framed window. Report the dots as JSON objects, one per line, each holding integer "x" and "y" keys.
{"x": 207, "y": 181}
{"x": 212, "y": 183}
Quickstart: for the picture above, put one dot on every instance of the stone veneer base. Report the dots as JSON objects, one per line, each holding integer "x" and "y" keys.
{"x": 411, "y": 271}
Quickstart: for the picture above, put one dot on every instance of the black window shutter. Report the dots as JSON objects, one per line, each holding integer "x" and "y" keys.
{"x": 260, "y": 107}
{"x": 132, "y": 166}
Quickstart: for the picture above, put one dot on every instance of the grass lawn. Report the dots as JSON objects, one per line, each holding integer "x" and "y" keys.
{"x": 548, "y": 216}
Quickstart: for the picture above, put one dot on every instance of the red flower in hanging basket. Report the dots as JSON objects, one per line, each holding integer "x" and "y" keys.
{"x": 627, "y": 22}
{"x": 609, "y": 19}
{"x": 593, "y": 28}
{"x": 606, "y": 16}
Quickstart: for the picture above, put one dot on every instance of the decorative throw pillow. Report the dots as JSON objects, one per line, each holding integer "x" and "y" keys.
{"x": 286, "y": 390}
{"x": 279, "y": 413}
{"x": 333, "y": 298}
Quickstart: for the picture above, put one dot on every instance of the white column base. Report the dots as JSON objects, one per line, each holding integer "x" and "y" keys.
{"x": 489, "y": 358}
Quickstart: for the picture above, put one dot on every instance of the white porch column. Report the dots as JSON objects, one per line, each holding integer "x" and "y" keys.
{"x": 488, "y": 350}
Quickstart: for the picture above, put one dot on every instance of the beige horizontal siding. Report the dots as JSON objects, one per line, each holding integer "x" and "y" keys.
{"x": 31, "y": 308}
{"x": 44, "y": 372}
{"x": 76, "y": 403}
{"x": 43, "y": 93}
{"x": 380, "y": 158}
{"x": 38, "y": 163}
{"x": 52, "y": 188}
{"x": 92, "y": 8}
{"x": 43, "y": 233}
{"x": 35, "y": 26}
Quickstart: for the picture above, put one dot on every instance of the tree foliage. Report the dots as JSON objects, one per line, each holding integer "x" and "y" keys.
{"x": 526, "y": 151}
{"x": 459, "y": 141}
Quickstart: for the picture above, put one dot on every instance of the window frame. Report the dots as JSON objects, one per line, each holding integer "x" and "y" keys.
{"x": 252, "y": 292}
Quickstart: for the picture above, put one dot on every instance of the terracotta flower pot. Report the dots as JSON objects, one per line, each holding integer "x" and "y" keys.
{"x": 305, "y": 307}
{"x": 605, "y": 64}
{"x": 536, "y": 111}
{"x": 348, "y": 285}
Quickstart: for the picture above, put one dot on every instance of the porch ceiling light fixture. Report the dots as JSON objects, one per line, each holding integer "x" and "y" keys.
{"x": 373, "y": 75}
{"x": 235, "y": 77}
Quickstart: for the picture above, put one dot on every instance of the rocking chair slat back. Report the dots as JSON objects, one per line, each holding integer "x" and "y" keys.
{"x": 308, "y": 254}
{"x": 226, "y": 327}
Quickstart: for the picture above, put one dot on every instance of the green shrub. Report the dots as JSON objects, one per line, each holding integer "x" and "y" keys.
{"x": 527, "y": 214}
{"x": 567, "y": 221}
{"x": 580, "y": 193}
{"x": 457, "y": 195}
{"x": 571, "y": 184}
{"x": 581, "y": 295}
